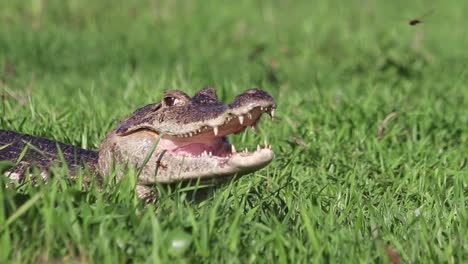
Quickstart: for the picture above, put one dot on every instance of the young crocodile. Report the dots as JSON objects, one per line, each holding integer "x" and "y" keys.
{"x": 184, "y": 138}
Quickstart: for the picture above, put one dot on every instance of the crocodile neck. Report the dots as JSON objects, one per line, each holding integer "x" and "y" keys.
{"x": 43, "y": 154}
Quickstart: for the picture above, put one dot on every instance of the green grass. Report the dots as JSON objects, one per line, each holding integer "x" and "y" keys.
{"x": 335, "y": 192}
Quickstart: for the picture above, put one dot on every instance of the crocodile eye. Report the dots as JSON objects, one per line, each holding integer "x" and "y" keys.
{"x": 170, "y": 101}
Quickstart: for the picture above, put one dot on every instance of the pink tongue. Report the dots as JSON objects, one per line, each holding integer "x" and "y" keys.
{"x": 217, "y": 147}
{"x": 195, "y": 149}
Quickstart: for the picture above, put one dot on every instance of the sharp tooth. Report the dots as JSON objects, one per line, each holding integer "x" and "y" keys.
{"x": 215, "y": 130}
{"x": 190, "y": 134}
{"x": 203, "y": 153}
{"x": 233, "y": 149}
{"x": 241, "y": 119}
{"x": 210, "y": 154}
{"x": 265, "y": 143}
{"x": 272, "y": 113}
{"x": 246, "y": 151}
{"x": 249, "y": 115}
{"x": 258, "y": 147}
{"x": 254, "y": 128}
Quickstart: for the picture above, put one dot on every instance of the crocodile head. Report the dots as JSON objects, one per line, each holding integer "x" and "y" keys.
{"x": 191, "y": 137}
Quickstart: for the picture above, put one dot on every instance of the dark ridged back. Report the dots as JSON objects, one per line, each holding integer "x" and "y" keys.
{"x": 43, "y": 152}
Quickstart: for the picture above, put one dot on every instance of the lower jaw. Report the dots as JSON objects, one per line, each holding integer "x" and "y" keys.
{"x": 173, "y": 167}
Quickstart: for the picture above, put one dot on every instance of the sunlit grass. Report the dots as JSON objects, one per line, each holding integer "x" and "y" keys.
{"x": 337, "y": 191}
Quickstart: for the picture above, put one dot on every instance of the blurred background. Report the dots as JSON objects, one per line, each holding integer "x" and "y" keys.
{"x": 102, "y": 59}
{"x": 344, "y": 185}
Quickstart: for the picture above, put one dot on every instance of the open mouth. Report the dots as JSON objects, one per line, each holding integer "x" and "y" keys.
{"x": 212, "y": 140}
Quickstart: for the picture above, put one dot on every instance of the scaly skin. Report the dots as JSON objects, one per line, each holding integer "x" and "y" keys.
{"x": 182, "y": 138}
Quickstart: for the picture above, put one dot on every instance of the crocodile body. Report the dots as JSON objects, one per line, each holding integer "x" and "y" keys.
{"x": 29, "y": 151}
{"x": 179, "y": 139}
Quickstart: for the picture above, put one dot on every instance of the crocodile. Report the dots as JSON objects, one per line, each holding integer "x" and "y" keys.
{"x": 179, "y": 139}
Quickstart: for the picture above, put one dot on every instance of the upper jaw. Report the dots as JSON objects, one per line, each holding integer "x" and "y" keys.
{"x": 221, "y": 119}
{"x": 200, "y": 114}
{"x": 233, "y": 120}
